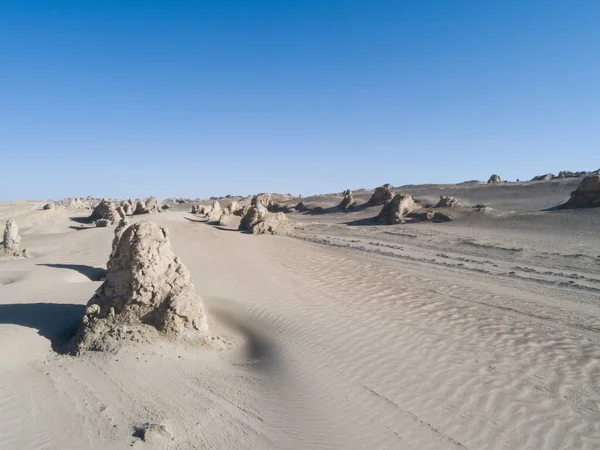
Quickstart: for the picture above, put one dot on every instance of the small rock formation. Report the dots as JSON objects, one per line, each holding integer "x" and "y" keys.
{"x": 119, "y": 229}
{"x": 256, "y": 212}
{"x": 301, "y": 207}
{"x": 225, "y": 219}
{"x": 11, "y": 240}
{"x": 545, "y": 177}
{"x": 587, "y": 195}
{"x": 148, "y": 293}
{"x": 146, "y": 206}
{"x": 232, "y": 207}
{"x": 348, "y": 200}
{"x": 77, "y": 203}
{"x": 194, "y": 209}
{"x": 273, "y": 223}
{"x": 429, "y": 216}
{"x": 105, "y": 211}
{"x": 103, "y": 223}
{"x": 447, "y": 201}
{"x": 165, "y": 206}
{"x": 128, "y": 206}
{"x": 153, "y": 433}
{"x": 494, "y": 179}
{"x": 569, "y": 174}
{"x": 215, "y": 212}
{"x": 263, "y": 198}
{"x": 394, "y": 211}
{"x": 381, "y": 195}
{"x": 49, "y": 206}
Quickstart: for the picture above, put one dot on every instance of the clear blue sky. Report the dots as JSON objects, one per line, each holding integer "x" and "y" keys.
{"x": 210, "y": 97}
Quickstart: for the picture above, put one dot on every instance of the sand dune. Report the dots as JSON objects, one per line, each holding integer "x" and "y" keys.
{"x": 480, "y": 333}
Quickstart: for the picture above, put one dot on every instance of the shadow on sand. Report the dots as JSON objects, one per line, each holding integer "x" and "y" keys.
{"x": 93, "y": 273}
{"x": 195, "y": 220}
{"x": 85, "y": 220}
{"x": 56, "y": 322}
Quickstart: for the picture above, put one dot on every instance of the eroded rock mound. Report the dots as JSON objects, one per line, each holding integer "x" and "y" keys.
{"x": 49, "y": 206}
{"x": 147, "y": 293}
{"x": 214, "y": 214}
{"x": 429, "y": 216}
{"x": 232, "y": 207}
{"x": 77, "y": 203}
{"x": 348, "y": 200}
{"x": 106, "y": 211}
{"x": 494, "y": 179}
{"x": 381, "y": 195}
{"x": 447, "y": 201}
{"x": 263, "y": 198}
{"x": 545, "y": 177}
{"x": 256, "y": 212}
{"x": 146, "y": 206}
{"x": 11, "y": 240}
{"x": 128, "y": 206}
{"x": 587, "y": 195}
{"x": 225, "y": 219}
{"x": 395, "y": 211}
{"x": 273, "y": 223}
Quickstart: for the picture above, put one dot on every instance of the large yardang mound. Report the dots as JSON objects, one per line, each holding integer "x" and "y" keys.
{"x": 447, "y": 201}
{"x": 381, "y": 195}
{"x": 148, "y": 293}
{"x": 495, "y": 179}
{"x": 395, "y": 211}
{"x": 105, "y": 212}
{"x": 11, "y": 240}
{"x": 273, "y": 223}
{"x": 146, "y": 206}
{"x": 587, "y": 195}
{"x": 256, "y": 212}
{"x": 348, "y": 200}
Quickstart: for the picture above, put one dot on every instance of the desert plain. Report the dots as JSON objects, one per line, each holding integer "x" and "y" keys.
{"x": 481, "y": 332}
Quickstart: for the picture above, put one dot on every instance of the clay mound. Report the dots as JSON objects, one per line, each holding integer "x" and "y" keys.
{"x": 447, "y": 201}
{"x": 348, "y": 200}
{"x": 263, "y": 198}
{"x": 381, "y": 195}
{"x": 587, "y": 195}
{"x": 215, "y": 212}
{"x": 256, "y": 212}
{"x": 494, "y": 179}
{"x": 128, "y": 206}
{"x": 273, "y": 223}
{"x": 148, "y": 293}
{"x": 146, "y": 206}
{"x": 11, "y": 240}
{"x": 545, "y": 177}
{"x": 397, "y": 209}
{"x": 225, "y": 219}
{"x": 232, "y": 207}
{"x": 105, "y": 211}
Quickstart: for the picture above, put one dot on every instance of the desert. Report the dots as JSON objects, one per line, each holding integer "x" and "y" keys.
{"x": 318, "y": 327}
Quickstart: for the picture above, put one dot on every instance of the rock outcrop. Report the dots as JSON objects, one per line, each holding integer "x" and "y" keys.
{"x": 225, "y": 219}
{"x": 119, "y": 229}
{"x": 381, "y": 195}
{"x": 49, "y": 206}
{"x": 587, "y": 195}
{"x": 545, "y": 177}
{"x": 128, "y": 206}
{"x": 396, "y": 210}
{"x": 148, "y": 293}
{"x": 273, "y": 223}
{"x": 447, "y": 201}
{"x": 494, "y": 179}
{"x": 232, "y": 207}
{"x": 104, "y": 211}
{"x": 429, "y": 216}
{"x": 265, "y": 199}
{"x": 146, "y": 206}
{"x": 77, "y": 203}
{"x": 348, "y": 200}
{"x": 256, "y": 212}
{"x": 11, "y": 240}
{"x": 215, "y": 211}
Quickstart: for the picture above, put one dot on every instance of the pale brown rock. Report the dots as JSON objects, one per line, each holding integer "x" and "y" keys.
{"x": 147, "y": 293}
{"x": 587, "y": 195}
{"x": 256, "y": 212}
{"x": 105, "y": 210}
{"x": 273, "y": 223}
{"x": 348, "y": 200}
{"x": 447, "y": 201}
{"x": 393, "y": 212}
{"x": 494, "y": 179}
{"x": 381, "y": 195}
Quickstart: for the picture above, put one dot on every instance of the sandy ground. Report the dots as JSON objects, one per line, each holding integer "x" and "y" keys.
{"x": 480, "y": 333}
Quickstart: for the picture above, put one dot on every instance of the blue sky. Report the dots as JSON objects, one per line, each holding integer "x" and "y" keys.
{"x": 199, "y": 98}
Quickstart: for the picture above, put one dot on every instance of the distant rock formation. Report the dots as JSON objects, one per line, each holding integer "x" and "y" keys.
{"x": 232, "y": 207}
{"x": 273, "y": 223}
{"x": 348, "y": 200}
{"x": 214, "y": 214}
{"x": 381, "y": 195}
{"x": 545, "y": 177}
{"x": 225, "y": 219}
{"x": 429, "y": 216}
{"x": 569, "y": 174}
{"x": 49, "y": 206}
{"x": 11, "y": 240}
{"x": 77, "y": 203}
{"x": 301, "y": 207}
{"x": 256, "y": 212}
{"x": 494, "y": 179}
{"x": 263, "y": 198}
{"x": 147, "y": 293}
{"x": 146, "y": 206}
{"x": 128, "y": 206}
{"x": 394, "y": 211}
{"x": 104, "y": 214}
{"x": 587, "y": 195}
{"x": 447, "y": 201}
